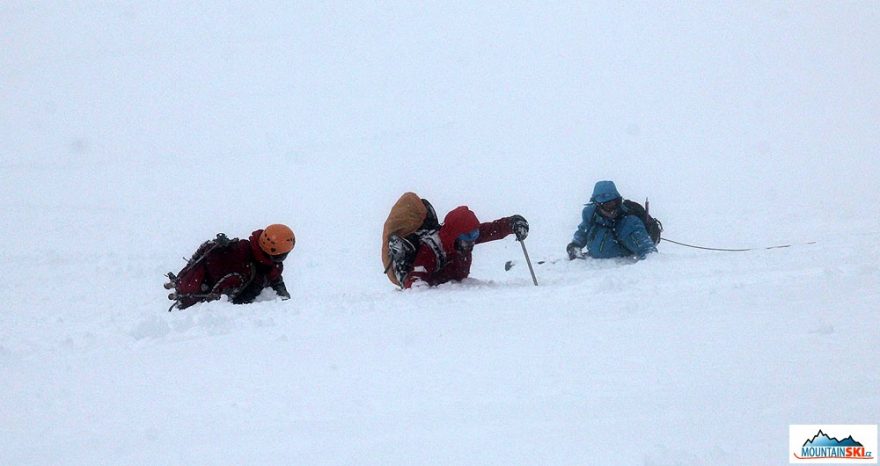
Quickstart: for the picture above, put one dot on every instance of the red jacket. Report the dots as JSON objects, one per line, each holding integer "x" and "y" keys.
{"x": 241, "y": 270}
{"x": 444, "y": 262}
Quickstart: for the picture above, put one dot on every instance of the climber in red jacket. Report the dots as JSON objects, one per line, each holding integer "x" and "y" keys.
{"x": 238, "y": 268}
{"x": 445, "y": 255}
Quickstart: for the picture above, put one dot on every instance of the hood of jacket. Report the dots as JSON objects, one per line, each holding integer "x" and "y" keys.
{"x": 604, "y": 191}
{"x": 258, "y": 253}
{"x": 459, "y": 220}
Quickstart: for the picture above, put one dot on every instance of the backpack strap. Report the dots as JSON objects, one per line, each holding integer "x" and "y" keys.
{"x": 431, "y": 221}
{"x": 431, "y": 239}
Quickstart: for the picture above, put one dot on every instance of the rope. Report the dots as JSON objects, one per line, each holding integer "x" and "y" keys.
{"x": 728, "y": 250}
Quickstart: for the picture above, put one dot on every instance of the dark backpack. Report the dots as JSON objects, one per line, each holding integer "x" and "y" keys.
{"x": 653, "y": 225}
{"x": 219, "y": 243}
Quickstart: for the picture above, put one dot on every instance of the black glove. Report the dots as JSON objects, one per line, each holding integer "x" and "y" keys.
{"x": 520, "y": 227}
{"x": 281, "y": 290}
{"x": 574, "y": 251}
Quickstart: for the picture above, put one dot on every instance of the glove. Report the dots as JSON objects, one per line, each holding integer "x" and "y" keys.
{"x": 520, "y": 227}
{"x": 574, "y": 251}
{"x": 281, "y": 290}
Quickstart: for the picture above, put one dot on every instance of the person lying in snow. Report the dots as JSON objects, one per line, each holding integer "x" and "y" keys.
{"x": 238, "y": 268}
{"x": 611, "y": 228}
{"x": 444, "y": 254}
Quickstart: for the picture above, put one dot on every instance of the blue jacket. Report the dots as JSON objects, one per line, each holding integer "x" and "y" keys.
{"x": 622, "y": 236}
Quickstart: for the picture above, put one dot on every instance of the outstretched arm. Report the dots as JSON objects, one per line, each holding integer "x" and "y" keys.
{"x": 498, "y": 229}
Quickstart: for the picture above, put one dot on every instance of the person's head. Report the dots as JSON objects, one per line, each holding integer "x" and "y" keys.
{"x": 460, "y": 228}
{"x": 277, "y": 241}
{"x": 607, "y": 198}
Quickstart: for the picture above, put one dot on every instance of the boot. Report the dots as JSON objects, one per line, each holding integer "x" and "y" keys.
{"x": 399, "y": 249}
{"x": 401, "y": 252}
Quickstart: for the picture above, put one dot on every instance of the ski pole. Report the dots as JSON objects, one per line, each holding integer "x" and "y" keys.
{"x": 528, "y": 261}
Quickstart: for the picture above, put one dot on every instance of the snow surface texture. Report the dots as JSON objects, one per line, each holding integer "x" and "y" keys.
{"x": 129, "y": 133}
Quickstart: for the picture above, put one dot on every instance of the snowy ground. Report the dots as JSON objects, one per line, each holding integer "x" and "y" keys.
{"x": 131, "y": 134}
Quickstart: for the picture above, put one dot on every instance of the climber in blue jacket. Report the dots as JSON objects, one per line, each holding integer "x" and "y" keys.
{"x": 609, "y": 228}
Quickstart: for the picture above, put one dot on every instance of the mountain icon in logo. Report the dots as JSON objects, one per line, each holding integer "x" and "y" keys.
{"x": 821, "y": 439}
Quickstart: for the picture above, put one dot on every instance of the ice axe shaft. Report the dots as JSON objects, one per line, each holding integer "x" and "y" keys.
{"x": 528, "y": 261}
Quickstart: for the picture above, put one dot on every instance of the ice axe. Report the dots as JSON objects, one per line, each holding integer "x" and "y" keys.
{"x": 528, "y": 261}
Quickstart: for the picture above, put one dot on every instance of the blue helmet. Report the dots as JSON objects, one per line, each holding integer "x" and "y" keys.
{"x": 604, "y": 191}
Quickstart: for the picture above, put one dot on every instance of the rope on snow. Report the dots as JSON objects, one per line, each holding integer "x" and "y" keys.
{"x": 727, "y": 249}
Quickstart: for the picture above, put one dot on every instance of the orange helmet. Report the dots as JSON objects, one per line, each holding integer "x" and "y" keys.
{"x": 277, "y": 239}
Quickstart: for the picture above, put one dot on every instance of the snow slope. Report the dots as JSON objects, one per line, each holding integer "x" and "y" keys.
{"x": 131, "y": 134}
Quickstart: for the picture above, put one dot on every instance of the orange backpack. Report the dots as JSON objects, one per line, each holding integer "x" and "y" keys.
{"x": 408, "y": 215}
